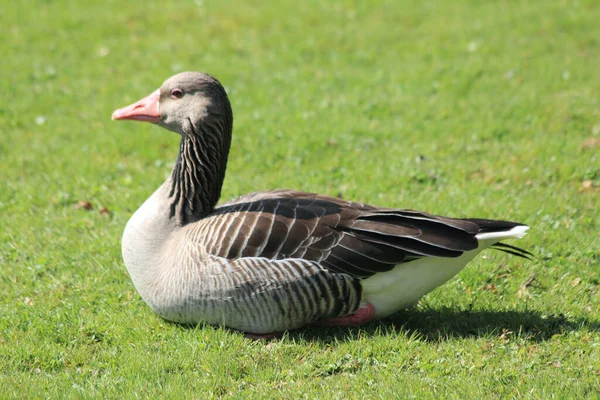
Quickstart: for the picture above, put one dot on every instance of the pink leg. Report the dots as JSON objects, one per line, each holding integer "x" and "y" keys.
{"x": 360, "y": 317}
{"x": 263, "y": 336}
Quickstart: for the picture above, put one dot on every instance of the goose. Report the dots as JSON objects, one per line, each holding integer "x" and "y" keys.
{"x": 277, "y": 260}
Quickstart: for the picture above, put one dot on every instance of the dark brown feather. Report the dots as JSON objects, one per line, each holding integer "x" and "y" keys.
{"x": 344, "y": 236}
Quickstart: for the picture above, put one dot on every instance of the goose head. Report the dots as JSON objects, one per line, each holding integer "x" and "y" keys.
{"x": 186, "y": 103}
{"x": 194, "y": 105}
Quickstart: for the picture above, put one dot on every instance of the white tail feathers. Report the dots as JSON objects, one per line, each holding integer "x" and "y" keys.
{"x": 517, "y": 232}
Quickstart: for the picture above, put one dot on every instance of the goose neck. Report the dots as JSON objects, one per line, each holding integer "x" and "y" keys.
{"x": 196, "y": 180}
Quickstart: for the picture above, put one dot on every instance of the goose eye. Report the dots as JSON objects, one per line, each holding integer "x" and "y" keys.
{"x": 176, "y": 93}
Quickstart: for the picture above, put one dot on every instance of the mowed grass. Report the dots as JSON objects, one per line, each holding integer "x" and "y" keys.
{"x": 482, "y": 109}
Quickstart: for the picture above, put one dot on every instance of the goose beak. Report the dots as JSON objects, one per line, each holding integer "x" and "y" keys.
{"x": 144, "y": 110}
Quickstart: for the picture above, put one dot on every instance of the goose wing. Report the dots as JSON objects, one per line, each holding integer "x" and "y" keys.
{"x": 343, "y": 236}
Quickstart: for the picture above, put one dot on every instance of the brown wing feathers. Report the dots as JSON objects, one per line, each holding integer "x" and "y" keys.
{"x": 344, "y": 237}
{"x": 377, "y": 242}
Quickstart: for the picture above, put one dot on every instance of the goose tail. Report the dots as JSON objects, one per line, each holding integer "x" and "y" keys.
{"x": 492, "y": 232}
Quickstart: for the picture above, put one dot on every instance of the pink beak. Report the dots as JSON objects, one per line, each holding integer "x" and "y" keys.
{"x": 144, "y": 110}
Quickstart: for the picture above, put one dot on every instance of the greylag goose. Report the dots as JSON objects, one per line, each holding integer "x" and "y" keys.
{"x": 277, "y": 260}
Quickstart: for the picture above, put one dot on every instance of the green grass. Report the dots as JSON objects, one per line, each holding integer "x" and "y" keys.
{"x": 482, "y": 109}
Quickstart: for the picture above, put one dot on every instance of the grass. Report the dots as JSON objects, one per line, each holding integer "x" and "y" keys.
{"x": 469, "y": 108}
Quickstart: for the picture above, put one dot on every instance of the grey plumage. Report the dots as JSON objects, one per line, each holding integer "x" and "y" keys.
{"x": 279, "y": 259}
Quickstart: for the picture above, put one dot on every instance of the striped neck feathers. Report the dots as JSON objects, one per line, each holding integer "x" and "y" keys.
{"x": 197, "y": 178}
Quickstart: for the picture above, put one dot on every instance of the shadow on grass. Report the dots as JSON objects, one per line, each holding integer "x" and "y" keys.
{"x": 446, "y": 324}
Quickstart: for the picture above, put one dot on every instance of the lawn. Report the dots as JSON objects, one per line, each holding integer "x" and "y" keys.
{"x": 470, "y": 108}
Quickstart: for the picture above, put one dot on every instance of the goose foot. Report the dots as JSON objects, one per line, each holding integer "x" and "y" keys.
{"x": 361, "y": 316}
{"x": 262, "y": 336}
